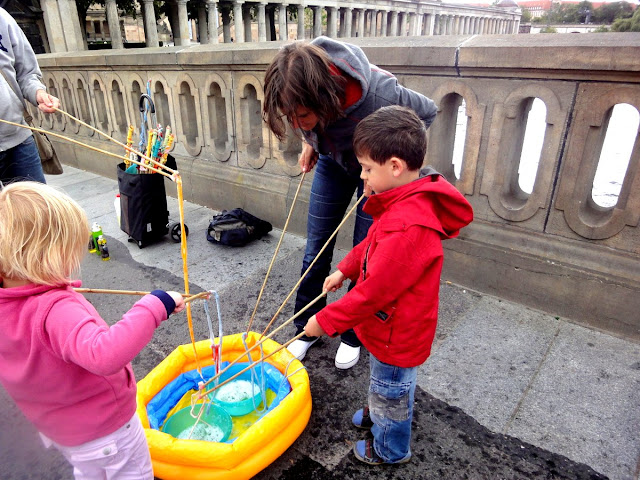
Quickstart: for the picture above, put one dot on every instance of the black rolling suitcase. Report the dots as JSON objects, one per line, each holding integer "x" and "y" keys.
{"x": 143, "y": 205}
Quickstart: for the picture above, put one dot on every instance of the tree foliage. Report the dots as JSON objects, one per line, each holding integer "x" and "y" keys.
{"x": 628, "y": 24}
{"x": 583, "y": 12}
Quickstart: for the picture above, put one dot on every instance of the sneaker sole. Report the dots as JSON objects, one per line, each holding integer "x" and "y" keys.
{"x": 346, "y": 366}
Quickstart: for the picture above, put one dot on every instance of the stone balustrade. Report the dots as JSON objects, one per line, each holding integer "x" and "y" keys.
{"x": 553, "y": 249}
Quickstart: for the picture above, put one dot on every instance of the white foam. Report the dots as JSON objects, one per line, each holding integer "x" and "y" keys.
{"x": 202, "y": 431}
{"x": 237, "y": 391}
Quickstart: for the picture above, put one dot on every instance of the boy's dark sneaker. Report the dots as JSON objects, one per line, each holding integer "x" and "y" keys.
{"x": 362, "y": 419}
{"x": 364, "y": 451}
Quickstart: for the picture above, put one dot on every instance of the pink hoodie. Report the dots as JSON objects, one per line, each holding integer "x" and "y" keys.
{"x": 65, "y": 368}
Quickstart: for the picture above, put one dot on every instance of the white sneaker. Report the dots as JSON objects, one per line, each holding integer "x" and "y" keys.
{"x": 299, "y": 348}
{"x": 347, "y": 356}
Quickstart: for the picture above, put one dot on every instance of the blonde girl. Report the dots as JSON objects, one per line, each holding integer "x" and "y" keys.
{"x": 65, "y": 368}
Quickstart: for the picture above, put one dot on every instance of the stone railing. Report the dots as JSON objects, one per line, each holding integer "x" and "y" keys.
{"x": 552, "y": 249}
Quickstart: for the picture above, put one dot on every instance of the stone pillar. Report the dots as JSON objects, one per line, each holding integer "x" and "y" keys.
{"x": 394, "y": 24}
{"x": 246, "y": 23}
{"x": 456, "y": 25}
{"x": 114, "y": 24}
{"x": 183, "y": 23}
{"x": 262, "y": 23}
{"x": 71, "y": 25}
{"x": 226, "y": 23}
{"x": 237, "y": 21}
{"x": 429, "y": 24}
{"x": 282, "y": 21}
{"x": 271, "y": 23}
{"x": 516, "y": 26}
{"x": 212, "y": 21}
{"x": 203, "y": 32}
{"x": 150, "y": 25}
{"x": 412, "y": 25}
{"x": 361, "y": 22}
{"x": 332, "y": 22}
{"x": 53, "y": 26}
{"x": 384, "y": 19}
{"x": 348, "y": 22}
{"x": 403, "y": 24}
{"x": 419, "y": 24}
{"x": 373, "y": 26}
{"x": 300, "y": 22}
{"x": 317, "y": 21}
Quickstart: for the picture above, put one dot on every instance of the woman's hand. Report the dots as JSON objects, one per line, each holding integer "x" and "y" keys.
{"x": 308, "y": 158}
{"x": 333, "y": 282}
{"x": 47, "y": 103}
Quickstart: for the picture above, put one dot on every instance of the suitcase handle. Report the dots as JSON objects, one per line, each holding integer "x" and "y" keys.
{"x": 144, "y": 97}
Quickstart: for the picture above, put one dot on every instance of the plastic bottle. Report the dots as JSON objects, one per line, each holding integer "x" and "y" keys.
{"x": 116, "y": 205}
{"x": 96, "y": 231}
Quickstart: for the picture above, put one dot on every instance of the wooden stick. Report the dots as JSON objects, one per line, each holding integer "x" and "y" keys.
{"x": 314, "y": 261}
{"x": 263, "y": 339}
{"x": 146, "y": 157}
{"x": 252, "y": 365}
{"x": 188, "y": 297}
{"x": 46, "y": 132}
{"x": 276, "y": 252}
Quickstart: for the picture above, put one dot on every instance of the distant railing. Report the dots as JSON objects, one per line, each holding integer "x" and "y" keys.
{"x": 553, "y": 248}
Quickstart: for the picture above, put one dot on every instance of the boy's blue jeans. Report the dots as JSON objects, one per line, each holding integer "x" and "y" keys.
{"x": 391, "y": 393}
{"x": 21, "y": 162}
{"x": 331, "y": 192}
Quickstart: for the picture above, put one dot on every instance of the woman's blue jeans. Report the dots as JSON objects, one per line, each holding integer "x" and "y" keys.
{"x": 331, "y": 192}
{"x": 21, "y": 162}
{"x": 391, "y": 393}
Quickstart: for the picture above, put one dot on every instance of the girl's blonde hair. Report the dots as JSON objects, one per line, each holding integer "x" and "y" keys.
{"x": 43, "y": 234}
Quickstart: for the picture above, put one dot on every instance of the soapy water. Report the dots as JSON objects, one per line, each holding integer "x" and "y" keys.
{"x": 202, "y": 431}
{"x": 237, "y": 391}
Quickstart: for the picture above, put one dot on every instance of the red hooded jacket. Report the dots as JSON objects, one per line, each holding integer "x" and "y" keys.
{"x": 394, "y": 306}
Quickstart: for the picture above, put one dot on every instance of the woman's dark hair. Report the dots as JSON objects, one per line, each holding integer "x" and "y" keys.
{"x": 299, "y": 76}
{"x": 392, "y": 131}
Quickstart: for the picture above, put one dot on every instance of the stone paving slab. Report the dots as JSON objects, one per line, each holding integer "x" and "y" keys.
{"x": 508, "y": 392}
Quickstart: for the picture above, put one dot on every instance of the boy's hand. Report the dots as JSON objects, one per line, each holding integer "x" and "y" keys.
{"x": 333, "y": 282}
{"x": 313, "y": 328}
{"x": 179, "y": 301}
{"x": 308, "y": 158}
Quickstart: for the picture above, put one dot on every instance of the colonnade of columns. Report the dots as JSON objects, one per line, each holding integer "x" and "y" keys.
{"x": 351, "y": 20}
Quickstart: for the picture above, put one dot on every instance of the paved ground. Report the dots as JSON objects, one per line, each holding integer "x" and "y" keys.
{"x": 508, "y": 393}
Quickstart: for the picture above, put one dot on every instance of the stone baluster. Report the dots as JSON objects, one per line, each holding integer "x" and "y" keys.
{"x": 332, "y": 22}
{"x": 237, "y": 21}
{"x": 301, "y": 22}
{"x": 282, "y": 21}
{"x": 150, "y": 26}
{"x": 212, "y": 21}
{"x": 114, "y": 24}
{"x": 262, "y": 23}
{"x": 317, "y": 21}
{"x": 203, "y": 32}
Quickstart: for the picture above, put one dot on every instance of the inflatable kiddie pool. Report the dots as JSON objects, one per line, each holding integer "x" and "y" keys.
{"x": 257, "y": 446}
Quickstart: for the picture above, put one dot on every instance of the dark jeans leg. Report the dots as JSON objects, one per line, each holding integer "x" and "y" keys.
{"x": 331, "y": 193}
{"x": 21, "y": 162}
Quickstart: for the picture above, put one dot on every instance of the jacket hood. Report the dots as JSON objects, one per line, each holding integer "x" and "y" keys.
{"x": 351, "y": 60}
{"x": 445, "y": 209}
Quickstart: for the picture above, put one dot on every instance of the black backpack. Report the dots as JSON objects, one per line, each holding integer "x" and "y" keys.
{"x": 236, "y": 228}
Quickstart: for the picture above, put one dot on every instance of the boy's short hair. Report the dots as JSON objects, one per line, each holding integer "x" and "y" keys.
{"x": 392, "y": 131}
{"x": 44, "y": 234}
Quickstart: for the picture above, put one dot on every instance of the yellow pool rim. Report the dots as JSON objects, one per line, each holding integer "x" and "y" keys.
{"x": 253, "y": 450}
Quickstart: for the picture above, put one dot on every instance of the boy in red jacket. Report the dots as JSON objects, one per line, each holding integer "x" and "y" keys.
{"x": 394, "y": 306}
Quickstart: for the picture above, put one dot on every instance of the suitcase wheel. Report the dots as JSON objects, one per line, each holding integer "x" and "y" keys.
{"x": 176, "y": 234}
